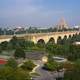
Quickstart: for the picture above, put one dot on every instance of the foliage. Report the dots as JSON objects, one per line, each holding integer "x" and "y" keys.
{"x": 19, "y": 53}
{"x": 55, "y": 49}
{"x": 11, "y": 63}
{"x": 73, "y": 74}
{"x": 8, "y": 73}
{"x": 22, "y": 43}
{"x": 28, "y": 65}
{"x": 69, "y": 66}
{"x": 4, "y": 45}
{"x": 29, "y": 44}
{"x": 51, "y": 41}
{"x": 74, "y": 52}
{"x": 71, "y": 52}
{"x": 41, "y": 43}
{"x": 51, "y": 65}
{"x": 14, "y": 41}
{"x": 59, "y": 40}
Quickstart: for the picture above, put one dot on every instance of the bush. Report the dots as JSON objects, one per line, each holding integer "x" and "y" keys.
{"x": 28, "y": 65}
{"x": 51, "y": 66}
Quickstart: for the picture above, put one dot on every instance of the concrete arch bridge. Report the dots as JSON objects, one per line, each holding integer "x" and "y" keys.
{"x": 35, "y": 37}
{"x": 55, "y": 35}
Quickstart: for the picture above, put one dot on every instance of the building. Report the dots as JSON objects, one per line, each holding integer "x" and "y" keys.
{"x": 62, "y": 24}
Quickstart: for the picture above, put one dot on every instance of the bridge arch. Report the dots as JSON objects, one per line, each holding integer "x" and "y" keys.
{"x": 59, "y": 40}
{"x": 41, "y": 41}
{"x": 65, "y": 36}
{"x": 70, "y": 36}
{"x": 73, "y": 35}
{"x": 51, "y": 40}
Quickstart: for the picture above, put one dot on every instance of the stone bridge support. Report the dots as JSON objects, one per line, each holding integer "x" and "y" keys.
{"x": 55, "y": 35}
{"x": 44, "y": 36}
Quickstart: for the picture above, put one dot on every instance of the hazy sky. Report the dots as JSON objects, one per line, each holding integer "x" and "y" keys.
{"x": 39, "y": 12}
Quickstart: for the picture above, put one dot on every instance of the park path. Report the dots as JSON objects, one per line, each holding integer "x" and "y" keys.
{"x": 44, "y": 75}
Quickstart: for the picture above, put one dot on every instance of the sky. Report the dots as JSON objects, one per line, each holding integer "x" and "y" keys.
{"x": 40, "y": 13}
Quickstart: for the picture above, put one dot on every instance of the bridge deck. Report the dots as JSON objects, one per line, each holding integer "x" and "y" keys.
{"x": 36, "y": 34}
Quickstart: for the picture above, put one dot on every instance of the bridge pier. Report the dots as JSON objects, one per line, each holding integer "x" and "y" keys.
{"x": 45, "y": 36}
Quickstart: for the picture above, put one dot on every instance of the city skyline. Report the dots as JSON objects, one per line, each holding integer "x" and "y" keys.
{"x": 38, "y": 12}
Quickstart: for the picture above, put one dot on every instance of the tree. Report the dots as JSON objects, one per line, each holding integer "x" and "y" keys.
{"x": 29, "y": 44}
{"x": 14, "y": 42}
{"x": 64, "y": 40}
{"x": 74, "y": 52}
{"x": 4, "y": 45}
{"x": 20, "y": 74}
{"x": 68, "y": 66}
{"x": 0, "y": 50}
{"x": 19, "y": 53}
{"x": 49, "y": 48}
{"x": 55, "y": 49}
{"x": 59, "y": 40}
{"x": 8, "y": 73}
{"x": 73, "y": 74}
{"x": 11, "y": 63}
{"x": 41, "y": 43}
{"x": 21, "y": 43}
{"x": 69, "y": 40}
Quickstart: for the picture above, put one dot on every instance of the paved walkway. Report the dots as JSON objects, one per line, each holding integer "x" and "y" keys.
{"x": 44, "y": 75}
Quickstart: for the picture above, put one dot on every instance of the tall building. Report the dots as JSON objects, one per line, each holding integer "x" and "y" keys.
{"x": 62, "y": 24}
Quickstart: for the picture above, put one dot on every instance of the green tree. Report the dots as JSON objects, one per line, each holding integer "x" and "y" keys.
{"x": 64, "y": 40}
{"x": 19, "y": 53}
{"x": 55, "y": 49}
{"x": 14, "y": 42}
{"x": 29, "y": 44}
{"x": 74, "y": 74}
{"x": 11, "y": 63}
{"x": 0, "y": 50}
{"x": 21, "y": 43}
{"x": 59, "y": 40}
{"x": 4, "y": 45}
{"x": 41, "y": 43}
{"x": 74, "y": 52}
{"x": 8, "y": 73}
